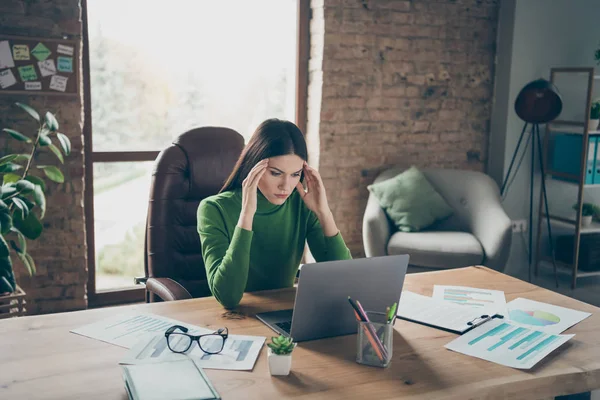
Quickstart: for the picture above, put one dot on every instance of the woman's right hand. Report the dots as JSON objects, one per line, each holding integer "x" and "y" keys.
{"x": 249, "y": 195}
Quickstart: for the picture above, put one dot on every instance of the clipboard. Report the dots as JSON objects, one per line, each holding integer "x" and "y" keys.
{"x": 446, "y": 316}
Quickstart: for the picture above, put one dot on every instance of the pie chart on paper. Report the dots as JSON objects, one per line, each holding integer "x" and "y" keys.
{"x": 535, "y": 318}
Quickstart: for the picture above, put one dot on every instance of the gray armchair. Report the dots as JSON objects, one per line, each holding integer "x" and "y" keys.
{"x": 478, "y": 233}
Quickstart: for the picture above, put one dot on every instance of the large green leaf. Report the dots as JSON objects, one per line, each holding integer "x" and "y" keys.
{"x": 51, "y": 121}
{"x": 10, "y": 178}
{"x": 45, "y": 140}
{"x": 22, "y": 158}
{"x": 29, "y": 110}
{"x": 65, "y": 143}
{"x": 25, "y": 262}
{"x": 30, "y": 227}
{"x": 8, "y": 158}
{"x": 10, "y": 167}
{"x": 3, "y": 207}
{"x": 20, "y": 204}
{"x": 53, "y": 173}
{"x": 4, "y": 250}
{"x": 25, "y": 186}
{"x": 5, "y": 223}
{"x": 40, "y": 200}
{"x": 57, "y": 152}
{"x": 17, "y": 135}
{"x": 7, "y": 277}
{"x": 37, "y": 181}
{"x": 5, "y": 286}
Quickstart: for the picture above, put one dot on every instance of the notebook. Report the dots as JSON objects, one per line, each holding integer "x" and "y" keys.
{"x": 442, "y": 315}
{"x": 175, "y": 380}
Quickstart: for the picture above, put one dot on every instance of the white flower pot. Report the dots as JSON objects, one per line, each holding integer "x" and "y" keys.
{"x": 586, "y": 220}
{"x": 593, "y": 124}
{"x": 278, "y": 364}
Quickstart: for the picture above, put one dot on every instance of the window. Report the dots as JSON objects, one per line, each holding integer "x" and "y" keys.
{"x": 155, "y": 70}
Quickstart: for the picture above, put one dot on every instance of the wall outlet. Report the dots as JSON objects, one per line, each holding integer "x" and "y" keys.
{"x": 519, "y": 225}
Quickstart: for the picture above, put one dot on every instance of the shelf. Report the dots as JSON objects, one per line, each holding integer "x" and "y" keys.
{"x": 593, "y": 228}
{"x": 566, "y": 123}
{"x": 571, "y": 182}
{"x": 573, "y": 129}
{"x": 564, "y": 175}
{"x": 546, "y": 262}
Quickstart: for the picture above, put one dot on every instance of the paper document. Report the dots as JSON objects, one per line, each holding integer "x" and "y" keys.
{"x": 486, "y": 299}
{"x": 437, "y": 313}
{"x": 507, "y": 344}
{"x": 239, "y": 353}
{"x": 543, "y": 316}
{"x": 144, "y": 335}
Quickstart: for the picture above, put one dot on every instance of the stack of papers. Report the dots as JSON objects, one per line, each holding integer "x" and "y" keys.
{"x": 521, "y": 334}
{"x": 175, "y": 380}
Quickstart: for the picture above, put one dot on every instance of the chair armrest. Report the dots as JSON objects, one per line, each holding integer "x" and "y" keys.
{"x": 376, "y": 229}
{"x": 167, "y": 289}
{"x": 494, "y": 232}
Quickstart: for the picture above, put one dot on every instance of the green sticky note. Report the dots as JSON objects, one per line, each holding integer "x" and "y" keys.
{"x": 27, "y": 73}
{"x": 65, "y": 64}
{"x": 40, "y": 52}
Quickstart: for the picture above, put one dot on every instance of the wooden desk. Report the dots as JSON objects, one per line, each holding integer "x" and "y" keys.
{"x": 40, "y": 359}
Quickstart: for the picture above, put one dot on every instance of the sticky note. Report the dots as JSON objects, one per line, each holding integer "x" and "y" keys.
{"x": 58, "y": 83}
{"x": 40, "y": 52}
{"x": 28, "y": 73}
{"x": 62, "y": 49}
{"x": 21, "y": 52}
{"x": 64, "y": 64}
{"x": 33, "y": 85}
{"x": 47, "y": 67}
{"x": 7, "y": 79}
{"x": 6, "y": 59}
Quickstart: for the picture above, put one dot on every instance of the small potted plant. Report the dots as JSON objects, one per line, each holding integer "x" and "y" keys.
{"x": 280, "y": 355}
{"x": 588, "y": 211}
{"x": 594, "y": 115}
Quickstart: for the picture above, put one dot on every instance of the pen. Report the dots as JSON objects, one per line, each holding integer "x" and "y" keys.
{"x": 370, "y": 333}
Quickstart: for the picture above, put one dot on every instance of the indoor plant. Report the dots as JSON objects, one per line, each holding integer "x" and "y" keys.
{"x": 594, "y": 115}
{"x": 280, "y": 355}
{"x": 22, "y": 199}
{"x": 588, "y": 211}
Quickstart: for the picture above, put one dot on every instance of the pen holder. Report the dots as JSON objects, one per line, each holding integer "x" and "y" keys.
{"x": 374, "y": 344}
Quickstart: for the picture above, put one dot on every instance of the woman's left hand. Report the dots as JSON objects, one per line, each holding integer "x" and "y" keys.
{"x": 314, "y": 196}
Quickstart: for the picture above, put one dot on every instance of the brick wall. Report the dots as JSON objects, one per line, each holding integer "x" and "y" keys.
{"x": 60, "y": 253}
{"x": 397, "y": 83}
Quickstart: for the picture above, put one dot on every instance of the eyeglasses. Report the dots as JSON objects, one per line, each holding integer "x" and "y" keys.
{"x": 179, "y": 341}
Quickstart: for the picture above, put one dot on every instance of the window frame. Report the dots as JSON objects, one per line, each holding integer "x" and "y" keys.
{"x": 133, "y": 295}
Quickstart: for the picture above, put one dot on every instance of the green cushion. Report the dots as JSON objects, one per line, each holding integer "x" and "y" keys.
{"x": 410, "y": 201}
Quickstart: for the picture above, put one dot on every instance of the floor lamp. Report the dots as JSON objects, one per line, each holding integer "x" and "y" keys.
{"x": 537, "y": 103}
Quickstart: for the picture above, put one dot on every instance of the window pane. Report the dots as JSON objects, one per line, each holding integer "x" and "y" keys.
{"x": 121, "y": 193}
{"x": 159, "y": 70}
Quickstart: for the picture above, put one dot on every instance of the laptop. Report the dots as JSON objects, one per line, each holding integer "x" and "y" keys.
{"x": 321, "y": 308}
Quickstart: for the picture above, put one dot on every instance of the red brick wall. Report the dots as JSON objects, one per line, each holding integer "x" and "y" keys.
{"x": 60, "y": 253}
{"x": 400, "y": 83}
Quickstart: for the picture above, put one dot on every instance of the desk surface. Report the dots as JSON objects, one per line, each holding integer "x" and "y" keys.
{"x": 40, "y": 359}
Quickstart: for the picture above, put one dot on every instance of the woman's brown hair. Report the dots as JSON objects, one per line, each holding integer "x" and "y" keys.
{"x": 272, "y": 138}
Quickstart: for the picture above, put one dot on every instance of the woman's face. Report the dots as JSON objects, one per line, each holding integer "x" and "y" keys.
{"x": 281, "y": 177}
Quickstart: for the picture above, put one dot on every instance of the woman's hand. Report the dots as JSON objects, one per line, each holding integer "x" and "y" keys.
{"x": 249, "y": 195}
{"x": 315, "y": 199}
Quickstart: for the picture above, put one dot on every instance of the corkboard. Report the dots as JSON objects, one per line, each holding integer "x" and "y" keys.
{"x": 39, "y": 66}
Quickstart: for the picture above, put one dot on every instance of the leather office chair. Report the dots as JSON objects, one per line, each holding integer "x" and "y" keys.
{"x": 194, "y": 167}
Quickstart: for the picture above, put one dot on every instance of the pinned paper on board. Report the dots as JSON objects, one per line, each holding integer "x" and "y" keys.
{"x": 47, "y": 67}
{"x": 41, "y": 52}
{"x": 63, "y": 49}
{"x": 6, "y": 58}
{"x": 64, "y": 64}
{"x": 58, "y": 83}
{"x": 33, "y": 85}
{"x": 27, "y": 73}
{"x": 21, "y": 52}
{"x": 7, "y": 79}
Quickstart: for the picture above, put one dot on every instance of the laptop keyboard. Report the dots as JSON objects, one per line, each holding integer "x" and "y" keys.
{"x": 286, "y": 326}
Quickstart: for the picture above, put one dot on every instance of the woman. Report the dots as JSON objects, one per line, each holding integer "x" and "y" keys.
{"x": 254, "y": 231}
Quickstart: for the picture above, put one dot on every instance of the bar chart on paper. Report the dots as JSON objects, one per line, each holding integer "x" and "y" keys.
{"x": 507, "y": 344}
{"x": 485, "y": 299}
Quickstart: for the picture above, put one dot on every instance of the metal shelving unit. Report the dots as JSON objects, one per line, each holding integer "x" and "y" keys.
{"x": 576, "y": 179}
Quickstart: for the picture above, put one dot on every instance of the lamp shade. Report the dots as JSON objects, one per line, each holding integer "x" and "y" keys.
{"x": 538, "y": 102}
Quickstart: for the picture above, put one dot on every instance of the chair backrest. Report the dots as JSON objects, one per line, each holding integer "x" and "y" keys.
{"x": 194, "y": 167}
{"x": 463, "y": 190}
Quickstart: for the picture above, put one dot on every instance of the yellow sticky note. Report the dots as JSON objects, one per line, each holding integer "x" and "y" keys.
{"x": 21, "y": 52}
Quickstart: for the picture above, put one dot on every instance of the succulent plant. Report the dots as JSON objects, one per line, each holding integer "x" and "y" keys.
{"x": 282, "y": 345}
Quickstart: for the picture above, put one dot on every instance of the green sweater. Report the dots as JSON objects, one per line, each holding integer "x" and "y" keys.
{"x": 238, "y": 260}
